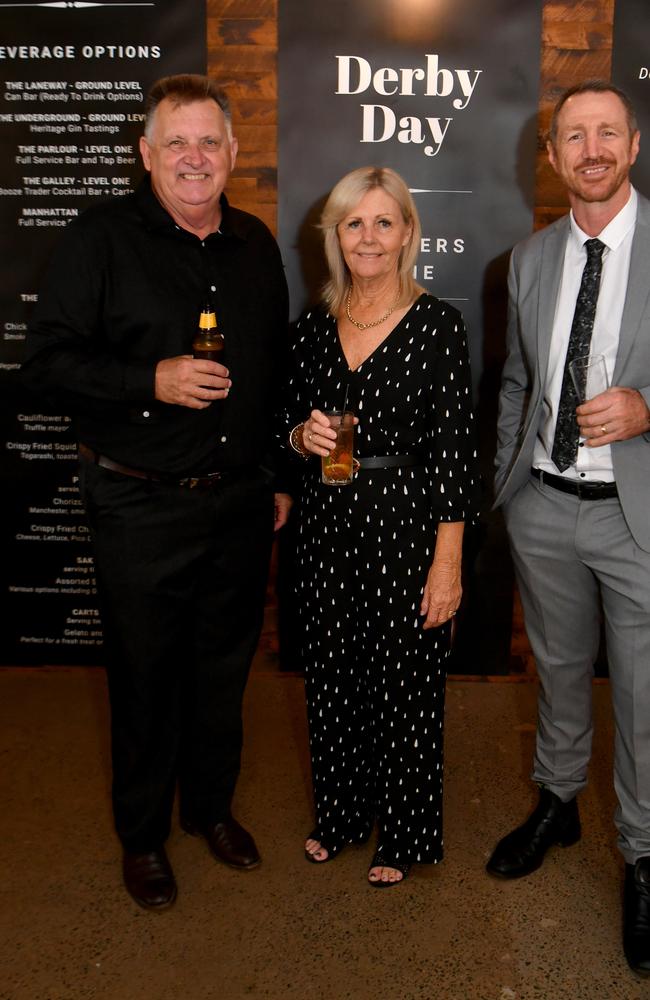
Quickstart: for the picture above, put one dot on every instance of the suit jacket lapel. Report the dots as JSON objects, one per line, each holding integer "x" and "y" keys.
{"x": 638, "y": 287}
{"x": 550, "y": 274}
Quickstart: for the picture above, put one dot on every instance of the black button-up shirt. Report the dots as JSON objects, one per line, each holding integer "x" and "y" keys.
{"x": 124, "y": 290}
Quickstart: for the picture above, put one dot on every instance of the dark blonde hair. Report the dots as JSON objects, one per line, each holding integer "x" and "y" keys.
{"x": 343, "y": 199}
{"x": 185, "y": 88}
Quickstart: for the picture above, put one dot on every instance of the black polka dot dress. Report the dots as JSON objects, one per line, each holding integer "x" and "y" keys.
{"x": 374, "y": 679}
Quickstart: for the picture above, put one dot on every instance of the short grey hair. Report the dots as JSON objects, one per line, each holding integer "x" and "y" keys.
{"x": 185, "y": 88}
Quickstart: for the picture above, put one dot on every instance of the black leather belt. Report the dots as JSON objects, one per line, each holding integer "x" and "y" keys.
{"x": 189, "y": 482}
{"x": 585, "y": 491}
{"x": 388, "y": 461}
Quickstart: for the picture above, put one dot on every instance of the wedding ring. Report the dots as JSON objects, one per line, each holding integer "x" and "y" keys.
{"x": 309, "y": 436}
{"x": 603, "y": 428}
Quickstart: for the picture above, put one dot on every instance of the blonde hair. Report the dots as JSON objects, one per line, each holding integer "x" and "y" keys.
{"x": 342, "y": 200}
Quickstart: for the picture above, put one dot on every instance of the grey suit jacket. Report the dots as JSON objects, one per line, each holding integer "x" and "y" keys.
{"x": 533, "y": 282}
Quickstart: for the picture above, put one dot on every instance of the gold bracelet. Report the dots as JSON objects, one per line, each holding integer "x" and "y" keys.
{"x": 296, "y": 442}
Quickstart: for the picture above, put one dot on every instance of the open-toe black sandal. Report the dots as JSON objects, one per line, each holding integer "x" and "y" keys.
{"x": 331, "y": 854}
{"x": 380, "y": 862}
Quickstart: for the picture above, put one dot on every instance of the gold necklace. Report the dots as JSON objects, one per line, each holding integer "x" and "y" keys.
{"x": 367, "y": 326}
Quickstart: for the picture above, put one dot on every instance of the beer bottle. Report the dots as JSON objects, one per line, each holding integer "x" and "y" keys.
{"x": 208, "y": 343}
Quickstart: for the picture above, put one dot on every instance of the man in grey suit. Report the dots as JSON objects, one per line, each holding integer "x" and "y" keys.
{"x": 574, "y": 482}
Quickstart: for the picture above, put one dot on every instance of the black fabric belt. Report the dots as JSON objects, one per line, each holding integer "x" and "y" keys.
{"x": 585, "y": 491}
{"x": 189, "y": 482}
{"x": 388, "y": 461}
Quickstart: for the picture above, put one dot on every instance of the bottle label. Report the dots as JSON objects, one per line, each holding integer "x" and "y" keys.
{"x": 207, "y": 321}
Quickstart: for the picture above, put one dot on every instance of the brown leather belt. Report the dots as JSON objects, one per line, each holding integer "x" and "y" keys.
{"x": 189, "y": 482}
{"x": 585, "y": 491}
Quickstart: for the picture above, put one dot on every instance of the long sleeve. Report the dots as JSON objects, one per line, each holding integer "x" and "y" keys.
{"x": 453, "y": 459}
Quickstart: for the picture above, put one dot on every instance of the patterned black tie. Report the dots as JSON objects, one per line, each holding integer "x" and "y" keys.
{"x": 567, "y": 435}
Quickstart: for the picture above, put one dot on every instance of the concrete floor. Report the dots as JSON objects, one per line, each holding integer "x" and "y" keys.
{"x": 68, "y": 931}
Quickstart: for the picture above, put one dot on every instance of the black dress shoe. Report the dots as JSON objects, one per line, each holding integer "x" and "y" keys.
{"x": 521, "y": 852}
{"x": 228, "y": 841}
{"x": 149, "y": 879}
{"x": 636, "y": 916}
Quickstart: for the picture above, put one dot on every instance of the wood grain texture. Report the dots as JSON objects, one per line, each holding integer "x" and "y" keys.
{"x": 580, "y": 37}
{"x": 579, "y": 10}
{"x": 242, "y": 56}
{"x": 245, "y": 31}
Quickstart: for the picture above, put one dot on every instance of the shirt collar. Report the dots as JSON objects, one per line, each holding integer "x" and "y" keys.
{"x": 615, "y": 231}
{"x": 229, "y": 221}
{"x": 157, "y": 217}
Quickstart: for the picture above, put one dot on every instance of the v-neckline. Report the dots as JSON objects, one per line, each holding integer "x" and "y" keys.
{"x": 353, "y": 371}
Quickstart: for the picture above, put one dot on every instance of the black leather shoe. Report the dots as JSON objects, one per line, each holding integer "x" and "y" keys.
{"x": 521, "y": 852}
{"x": 149, "y": 879}
{"x": 228, "y": 841}
{"x": 636, "y": 916}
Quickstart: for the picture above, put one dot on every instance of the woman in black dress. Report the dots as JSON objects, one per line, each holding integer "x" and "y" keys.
{"x": 379, "y": 560}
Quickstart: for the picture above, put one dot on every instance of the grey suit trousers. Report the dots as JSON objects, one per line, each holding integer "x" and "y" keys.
{"x": 575, "y": 560}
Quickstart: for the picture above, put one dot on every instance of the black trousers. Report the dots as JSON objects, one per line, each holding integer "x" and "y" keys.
{"x": 181, "y": 577}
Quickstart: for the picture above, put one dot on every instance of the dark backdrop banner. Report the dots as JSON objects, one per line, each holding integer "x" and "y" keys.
{"x": 631, "y": 72}
{"x": 72, "y": 81}
{"x": 446, "y": 94}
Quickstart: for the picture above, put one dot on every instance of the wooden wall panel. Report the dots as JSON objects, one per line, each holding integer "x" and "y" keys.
{"x": 242, "y": 55}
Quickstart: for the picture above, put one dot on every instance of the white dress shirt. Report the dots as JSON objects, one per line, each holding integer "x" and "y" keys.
{"x": 592, "y": 464}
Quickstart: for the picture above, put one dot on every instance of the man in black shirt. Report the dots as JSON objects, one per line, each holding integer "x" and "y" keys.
{"x": 174, "y": 457}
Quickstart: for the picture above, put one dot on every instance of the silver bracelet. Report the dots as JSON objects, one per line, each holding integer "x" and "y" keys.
{"x": 296, "y": 442}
